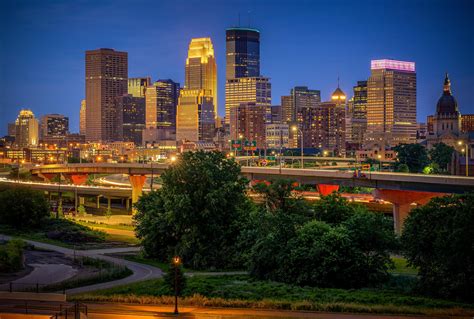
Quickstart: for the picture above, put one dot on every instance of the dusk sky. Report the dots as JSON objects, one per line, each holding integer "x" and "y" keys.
{"x": 311, "y": 43}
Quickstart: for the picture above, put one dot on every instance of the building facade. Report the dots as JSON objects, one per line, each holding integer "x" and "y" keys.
{"x": 26, "y": 129}
{"x": 54, "y": 125}
{"x": 391, "y": 104}
{"x": 132, "y": 119}
{"x": 106, "y": 78}
{"x": 195, "y": 120}
{"x": 82, "y": 118}
{"x": 277, "y": 135}
{"x": 358, "y": 114}
{"x": 137, "y": 86}
{"x": 248, "y": 120}
{"x": 242, "y": 53}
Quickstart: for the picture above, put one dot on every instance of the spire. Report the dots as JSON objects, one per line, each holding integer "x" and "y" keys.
{"x": 447, "y": 84}
{"x": 338, "y": 81}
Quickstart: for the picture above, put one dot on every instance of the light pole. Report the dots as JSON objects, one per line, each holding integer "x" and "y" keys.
{"x": 380, "y": 162}
{"x": 466, "y": 150}
{"x": 297, "y": 129}
{"x": 176, "y": 262}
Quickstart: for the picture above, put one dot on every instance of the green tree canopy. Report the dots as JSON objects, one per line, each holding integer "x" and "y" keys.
{"x": 414, "y": 156}
{"x": 438, "y": 238}
{"x": 23, "y": 207}
{"x": 197, "y": 214}
{"x": 441, "y": 154}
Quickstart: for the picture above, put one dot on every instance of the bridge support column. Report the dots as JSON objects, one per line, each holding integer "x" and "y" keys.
{"x": 327, "y": 189}
{"x": 127, "y": 204}
{"x": 109, "y": 200}
{"x": 137, "y": 182}
{"x": 401, "y": 201}
{"x": 98, "y": 202}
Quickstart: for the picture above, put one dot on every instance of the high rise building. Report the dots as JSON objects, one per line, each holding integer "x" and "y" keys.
{"x": 277, "y": 135}
{"x": 287, "y": 110}
{"x": 391, "y": 104}
{"x": 27, "y": 127}
{"x": 195, "y": 120}
{"x": 256, "y": 90}
{"x": 161, "y": 103}
{"x": 275, "y": 114}
{"x": 248, "y": 120}
{"x": 137, "y": 86}
{"x": 82, "y": 118}
{"x": 358, "y": 114}
{"x": 54, "y": 125}
{"x": 106, "y": 78}
{"x": 302, "y": 97}
{"x": 132, "y": 119}
{"x": 242, "y": 53}
{"x": 201, "y": 68}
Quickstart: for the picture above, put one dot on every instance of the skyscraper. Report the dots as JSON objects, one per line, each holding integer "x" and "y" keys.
{"x": 359, "y": 114}
{"x": 242, "y": 53}
{"x": 132, "y": 118}
{"x": 26, "y": 125}
{"x": 287, "y": 110}
{"x": 391, "y": 103}
{"x": 137, "y": 86}
{"x": 161, "y": 103}
{"x": 106, "y": 78}
{"x": 195, "y": 120}
{"x": 201, "y": 68}
{"x": 54, "y": 125}
{"x": 248, "y": 120}
{"x": 302, "y": 97}
{"x": 82, "y": 118}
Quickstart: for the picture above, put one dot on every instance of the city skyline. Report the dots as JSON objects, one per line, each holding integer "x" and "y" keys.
{"x": 435, "y": 46}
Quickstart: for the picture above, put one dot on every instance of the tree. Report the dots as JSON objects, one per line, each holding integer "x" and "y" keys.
{"x": 175, "y": 275}
{"x": 414, "y": 156}
{"x": 403, "y": 168}
{"x": 23, "y": 207}
{"x": 441, "y": 154}
{"x": 438, "y": 238}
{"x": 334, "y": 209}
{"x": 197, "y": 214}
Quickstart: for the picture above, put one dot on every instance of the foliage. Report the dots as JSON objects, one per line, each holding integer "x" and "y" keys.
{"x": 69, "y": 232}
{"x": 438, "y": 238}
{"x": 432, "y": 168}
{"x": 22, "y": 207}
{"x": 414, "y": 156}
{"x": 81, "y": 211}
{"x": 403, "y": 168}
{"x": 175, "y": 275}
{"x": 11, "y": 255}
{"x": 197, "y": 214}
{"x": 108, "y": 213}
{"x": 17, "y": 173}
{"x": 441, "y": 155}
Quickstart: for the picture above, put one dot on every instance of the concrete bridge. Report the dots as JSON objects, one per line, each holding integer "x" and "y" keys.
{"x": 401, "y": 189}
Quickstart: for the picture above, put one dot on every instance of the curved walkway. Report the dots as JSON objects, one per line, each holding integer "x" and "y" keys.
{"x": 140, "y": 271}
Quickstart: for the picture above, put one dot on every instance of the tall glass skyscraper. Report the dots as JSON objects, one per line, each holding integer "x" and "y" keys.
{"x": 242, "y": 53}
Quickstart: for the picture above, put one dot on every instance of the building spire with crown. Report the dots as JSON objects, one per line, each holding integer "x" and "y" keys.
{"x": 447, "y": 84}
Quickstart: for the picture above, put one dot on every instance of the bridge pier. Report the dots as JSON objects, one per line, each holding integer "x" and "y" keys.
{"x": 326, "y": 189}
{"x": 401, "y": 201}
{"x": 98, "y": 202}
{"x": 137, "y": 182}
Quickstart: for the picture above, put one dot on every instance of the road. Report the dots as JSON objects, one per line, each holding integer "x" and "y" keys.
{"x": 139, "y": 271}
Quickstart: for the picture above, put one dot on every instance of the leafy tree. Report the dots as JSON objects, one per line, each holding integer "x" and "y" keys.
{"x": 81, "y": 210}
{"x": 334, "y": 209}
{"x": 438, "y": 238}
{"x": 432, "y": 168}
{"x": 11, "y": 255}
{"x": 414, "y": 156}
{"x": 197, "y": 214}
{"x": 402, "y": 168}
{"x": 441, "y": 154}
{"x": 22, "y": 207}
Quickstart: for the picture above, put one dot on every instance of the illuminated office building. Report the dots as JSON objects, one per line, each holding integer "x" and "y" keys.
{"x": 137, "y": 86}
{"x": 132, "y": 119}
{"x": 161, "y": 103}
{"x": 201, "y": 68}
{"x": 54, "y": 125}
{"x": 358, "y": 114}
{"x": 302, "y": 97}
{"x": 256, "y": 90}
{"x": 248, "y": 120}
{"x": 82, "y": 118}
{"x": 106, "y": 78}
{"x": 26, "y": 129}
{"x": 391, "y": 104}
{"x": 195, "y": 120}
{"x": 277, "y": 135}
{"x": 287, "y": 111}
{"x": 242, "y": 53}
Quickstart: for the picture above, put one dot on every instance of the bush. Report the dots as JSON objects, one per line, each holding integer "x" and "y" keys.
{"x": 11, "y": 255}
{"x": 70, "y": 232}
{"x": 438, "y": 238}
{"x": 22, "y": 207}
{"x": 169, "y": 279}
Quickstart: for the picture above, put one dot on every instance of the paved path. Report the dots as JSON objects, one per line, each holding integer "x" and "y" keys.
{"x": 140, "y": 271}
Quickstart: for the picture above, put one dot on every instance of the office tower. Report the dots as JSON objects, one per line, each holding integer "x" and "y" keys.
{"x": 391, "y": 104}
{"x": 137, "y": 86}
{"x": 201, "y": 68}
{"x": 82, "y": 118}
{"x": 11, "y": 129}
{"x": 467, "y": 123}
{"x": 358, "y": 113}
{"x": 302, "y": 97}
{"x": 132, "y": 119}
{"x": 106, "y": 78}
{"x": 277, "y": 135}
{"x": 54, "y": 125}
{"x": 161, "y": 103}
{"x": 26, "y": 129}
{"x": 242, "y": 53}
{"x": 275, "y": 114}
{"x": 195, "y": 120}
{"x": 256, "y": 90}
{"x": 248, "y": 120}
{"x": 287, "y": 111}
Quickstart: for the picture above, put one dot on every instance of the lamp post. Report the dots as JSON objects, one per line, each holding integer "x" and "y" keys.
{"x": 176, "y": 262}
{"x": 466, "y": 151}
{"x": 297, "y": 129}
{"x": 380, "y": 162}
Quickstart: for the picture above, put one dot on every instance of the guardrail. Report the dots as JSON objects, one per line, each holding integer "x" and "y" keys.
{"x": 73, "y": 312}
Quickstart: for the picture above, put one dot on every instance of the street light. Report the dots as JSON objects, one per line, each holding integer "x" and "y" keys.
{"x": 380, "y": 162}
{"x": 176, "y": 262}
{"x": 297, "y": 129}
{"x": 466, "y": 150}
{"x": 173, "y": 159}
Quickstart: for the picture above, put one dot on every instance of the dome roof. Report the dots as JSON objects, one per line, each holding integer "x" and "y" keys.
{"x": 447, "y": 104}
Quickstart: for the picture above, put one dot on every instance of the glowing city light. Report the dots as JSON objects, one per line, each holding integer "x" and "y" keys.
{"x": 392, "y": 65}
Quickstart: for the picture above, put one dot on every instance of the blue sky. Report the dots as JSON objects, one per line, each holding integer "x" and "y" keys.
{"x": 310, "y": 43}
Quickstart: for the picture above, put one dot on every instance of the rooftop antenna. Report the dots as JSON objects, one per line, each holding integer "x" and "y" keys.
{"x": 338, "y": 81}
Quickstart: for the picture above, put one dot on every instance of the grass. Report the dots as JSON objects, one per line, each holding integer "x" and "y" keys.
{"x": 241, "y": 291}
{"x": 402, "y": 267}
{"x": 123, "y": 238}
{"x": 103, "y": 225}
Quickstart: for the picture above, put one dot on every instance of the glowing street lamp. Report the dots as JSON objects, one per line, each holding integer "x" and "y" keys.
{"x": 176, "y": 262}
{"x": 173, "y": 159}
{"x": 466, "y": 151}
{"x": 297, "y": 129}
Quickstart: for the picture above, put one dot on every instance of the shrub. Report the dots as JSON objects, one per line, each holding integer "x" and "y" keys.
{"x": 11, "y": 255}
{"x": 22, "y": 207}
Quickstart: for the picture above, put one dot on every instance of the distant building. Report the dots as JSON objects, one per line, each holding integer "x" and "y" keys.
{"x": 106, "y": 78}
{"x": 358, "y": 115}
{"x": 26, "y": 129}
{"x": 137, "y": 86}
{"x": 11, "y": 129}
{"x": 248, "y": 120}
{"x": 54, "y": 125}
{"x": 242, "y": 53}
{"x": 277, "y": 135}
{"x": 132, "y": 118}
{"x": 287, "y": 110}
{"x": 82, "y": 118}
{"x": 161, "y": 104}
{"x": 195, "y": 120}
{"x": 275, "y": 114}
{"x": 467, "y": 123}
{"x": 391, "y": 104}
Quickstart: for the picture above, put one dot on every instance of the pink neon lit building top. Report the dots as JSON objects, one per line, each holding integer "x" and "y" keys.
{"x": 392, "y": 65}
